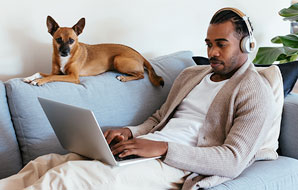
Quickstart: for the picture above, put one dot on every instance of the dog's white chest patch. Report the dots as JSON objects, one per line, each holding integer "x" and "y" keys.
{"x": 63, "y": 62}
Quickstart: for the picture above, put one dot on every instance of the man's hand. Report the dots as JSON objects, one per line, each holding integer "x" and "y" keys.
{"x": 117, "y": 135}
{"x": 140, "y": 147}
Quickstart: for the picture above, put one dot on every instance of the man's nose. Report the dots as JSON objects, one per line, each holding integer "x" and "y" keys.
{"x": 213, "y": 52}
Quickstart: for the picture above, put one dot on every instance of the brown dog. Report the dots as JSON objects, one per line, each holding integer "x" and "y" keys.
{"x": 72, "y": 59}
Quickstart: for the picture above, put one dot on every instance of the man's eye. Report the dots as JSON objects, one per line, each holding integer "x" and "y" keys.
{"x": 209, "y": 45}
{"x": 70, "y": 41}
{"x": 59, "y": 40}
{"x": 221, "y": 45}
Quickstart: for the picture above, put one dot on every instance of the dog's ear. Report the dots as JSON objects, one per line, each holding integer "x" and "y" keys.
{"x": 52, "y": 25}
{"x": 79, "y": 26}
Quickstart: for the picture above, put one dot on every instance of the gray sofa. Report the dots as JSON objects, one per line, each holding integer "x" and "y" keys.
{"x": 25, "y": 132}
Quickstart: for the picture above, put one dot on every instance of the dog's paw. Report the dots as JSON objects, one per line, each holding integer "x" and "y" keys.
{"x": 31, "y": 79}
{"x": 27, "y": 80}
{"x": 39, "y": 82}
{"x": 34, "y": 83}
{"x": 121, "y": 78}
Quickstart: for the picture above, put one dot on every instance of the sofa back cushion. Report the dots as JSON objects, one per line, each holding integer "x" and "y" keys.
{"x": 10, "y": 157}
{"x": 114, "y": 103}
{"x": 289, "y": 128}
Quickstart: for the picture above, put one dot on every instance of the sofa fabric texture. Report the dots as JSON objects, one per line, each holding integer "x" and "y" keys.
{"x": 288, "y": 140}
{"x": 10, "y": 157}
{"x": 280, "y": 174}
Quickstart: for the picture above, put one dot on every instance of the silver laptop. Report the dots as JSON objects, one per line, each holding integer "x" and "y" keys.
{"x": 78, "y": 131}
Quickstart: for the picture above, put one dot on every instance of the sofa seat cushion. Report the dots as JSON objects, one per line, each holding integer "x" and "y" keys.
{"x": 114, "y": 103}
{"x": 279, "y": 174}
{"x": 10, "y": 159}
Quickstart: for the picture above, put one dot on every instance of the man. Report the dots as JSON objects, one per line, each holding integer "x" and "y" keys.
{"x": 210, "y": 128}
{"x": 215, "y": 119}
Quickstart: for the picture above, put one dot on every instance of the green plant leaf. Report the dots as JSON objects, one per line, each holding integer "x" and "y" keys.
{"x": 290, "y": 13}
{"x": 285, "y": 59}
{"x": 276, "y": 40}
{"x": 293, "y": 57}
{"x": 289, "y": 51}
{"x": 282, "y": 57}
{"x": 267, "y": 55}
{"x": 290, "y": 40}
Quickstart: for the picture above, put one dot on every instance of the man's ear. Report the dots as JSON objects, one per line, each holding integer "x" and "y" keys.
{"x": 52, "y": 25}
{"x": 79, "y": 26}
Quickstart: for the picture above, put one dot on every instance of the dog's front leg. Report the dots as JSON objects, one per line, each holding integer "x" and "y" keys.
{"x": 33, "y": 77}
{"x": 54, "y": 78}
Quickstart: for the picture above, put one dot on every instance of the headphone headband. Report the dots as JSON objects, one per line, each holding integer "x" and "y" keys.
{"x": 252, "y": 43}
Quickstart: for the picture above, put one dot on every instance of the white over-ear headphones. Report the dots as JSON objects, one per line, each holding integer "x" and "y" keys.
{"x": 247, "y": 43}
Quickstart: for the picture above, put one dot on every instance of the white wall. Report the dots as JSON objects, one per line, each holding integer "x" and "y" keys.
{"x": 154, "y": 27}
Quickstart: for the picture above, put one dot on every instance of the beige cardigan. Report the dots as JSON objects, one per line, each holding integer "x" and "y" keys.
{"x": 236, "y": 125}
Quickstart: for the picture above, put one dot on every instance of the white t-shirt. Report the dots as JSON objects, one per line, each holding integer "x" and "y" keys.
{"x": 183, "y": 128}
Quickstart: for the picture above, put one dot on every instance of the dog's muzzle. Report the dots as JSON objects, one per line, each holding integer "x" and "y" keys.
{"x": 64, "y": 50}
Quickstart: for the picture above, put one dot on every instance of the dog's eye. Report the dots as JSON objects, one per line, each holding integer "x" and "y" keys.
{"x": 59, "y": 40}
{"x": 70, "y": 41}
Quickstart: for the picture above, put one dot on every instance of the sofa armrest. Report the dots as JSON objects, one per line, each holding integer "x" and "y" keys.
{"x": 289, "y": 127}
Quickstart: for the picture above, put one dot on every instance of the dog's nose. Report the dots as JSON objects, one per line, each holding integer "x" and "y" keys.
{"x": 64, "y": 50}
{"x": 64, "y": 54}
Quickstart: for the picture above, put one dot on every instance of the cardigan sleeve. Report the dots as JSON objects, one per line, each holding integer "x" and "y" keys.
{"x": 253, "y": 117}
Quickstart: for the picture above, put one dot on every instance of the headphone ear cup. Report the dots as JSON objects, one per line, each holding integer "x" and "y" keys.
{"x": 246, "y": 46}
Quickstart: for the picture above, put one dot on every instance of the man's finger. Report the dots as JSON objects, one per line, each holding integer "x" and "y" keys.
{"x": 119, "y": 138}
{"x": 122, "y": 143}
{"x": 125, "y": 147}
{"x": 106, "y": 133}
{"x": 128, "y": 153}
{"x": 111, "y": 137}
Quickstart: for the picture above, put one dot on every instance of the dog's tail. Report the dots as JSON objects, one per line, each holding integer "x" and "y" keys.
{"x": 153, "y": 77}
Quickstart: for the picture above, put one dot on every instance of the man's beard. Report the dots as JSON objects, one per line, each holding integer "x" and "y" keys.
{"x": 226, "y": 69}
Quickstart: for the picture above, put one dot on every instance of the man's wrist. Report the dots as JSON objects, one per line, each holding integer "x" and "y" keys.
{"x": 128, "y": 133}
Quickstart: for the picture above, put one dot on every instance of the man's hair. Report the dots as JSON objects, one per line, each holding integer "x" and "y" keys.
{"x": 238, "y": 22}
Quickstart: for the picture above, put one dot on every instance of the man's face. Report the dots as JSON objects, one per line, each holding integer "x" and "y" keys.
{"x": 223, "y": 49}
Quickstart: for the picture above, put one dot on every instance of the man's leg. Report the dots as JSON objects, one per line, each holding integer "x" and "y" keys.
{"x": 152, "y": 174}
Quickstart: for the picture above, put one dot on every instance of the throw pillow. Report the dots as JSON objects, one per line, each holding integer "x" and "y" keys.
{"x": 289, "y": 72}
{"x": 201, "y": 60}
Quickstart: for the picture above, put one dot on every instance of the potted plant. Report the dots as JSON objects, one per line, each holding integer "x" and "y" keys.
{"x": 289, "y": 51}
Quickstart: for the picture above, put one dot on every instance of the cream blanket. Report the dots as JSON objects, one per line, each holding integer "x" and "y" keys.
{"x": 72, "y": 171}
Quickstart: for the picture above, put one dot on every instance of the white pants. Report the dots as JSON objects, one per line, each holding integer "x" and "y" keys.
{"x": 71, "y": 171}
